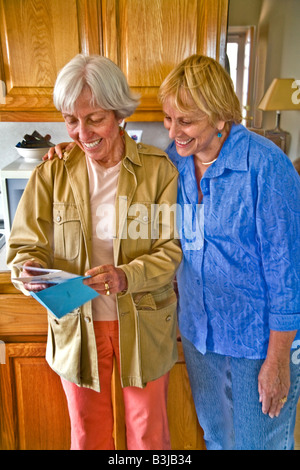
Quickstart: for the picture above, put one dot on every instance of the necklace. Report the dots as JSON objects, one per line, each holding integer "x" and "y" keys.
{"x": 208, "y": 163}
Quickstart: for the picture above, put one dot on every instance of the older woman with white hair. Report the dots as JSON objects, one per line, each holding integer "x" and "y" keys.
{"x": 76, "y": 214}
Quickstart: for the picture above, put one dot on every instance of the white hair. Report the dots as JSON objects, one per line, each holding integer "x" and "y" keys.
{"x": 108, "y": 85}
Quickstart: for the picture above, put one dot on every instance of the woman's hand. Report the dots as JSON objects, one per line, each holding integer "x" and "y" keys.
{"x": 106, "y": 279}
{"x": 274, "y": 375}
{"x": 273, "y": 386}
{"x": 58, "y": 150}
{"x": 32, "y": 286}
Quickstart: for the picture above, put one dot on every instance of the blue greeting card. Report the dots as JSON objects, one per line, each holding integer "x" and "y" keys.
{"x": 63, "y": 298}
{"x": 67, "y": 293}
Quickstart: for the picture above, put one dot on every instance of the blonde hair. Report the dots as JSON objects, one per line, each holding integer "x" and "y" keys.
{"x": 200, "y": 82}
{"x": 108, "y": 85}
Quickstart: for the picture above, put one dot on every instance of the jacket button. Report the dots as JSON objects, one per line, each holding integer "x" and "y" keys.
{"x": 168, "y": 318}
{"x": 58, "y": 218}
{"x": 87, "y": 319}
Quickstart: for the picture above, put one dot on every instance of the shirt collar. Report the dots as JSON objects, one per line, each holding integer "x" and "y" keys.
{"x": 234, "y": 152}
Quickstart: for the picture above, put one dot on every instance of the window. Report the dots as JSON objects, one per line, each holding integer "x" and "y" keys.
{"x": 239, "y": 49}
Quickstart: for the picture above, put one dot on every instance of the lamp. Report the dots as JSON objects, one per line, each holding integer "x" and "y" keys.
{"x": 281, "y": 95}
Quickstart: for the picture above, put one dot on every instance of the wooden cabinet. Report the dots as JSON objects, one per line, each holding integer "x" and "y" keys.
{"x": 34, "y": 413}
{"x": 37, "y": 39}
{"x": 146, "y": 38}
{"x": 33, "y": 408}
{"x": 149, "y": 37}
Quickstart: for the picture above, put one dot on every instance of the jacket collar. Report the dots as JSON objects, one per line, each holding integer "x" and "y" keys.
{"x": 131, "y": 150}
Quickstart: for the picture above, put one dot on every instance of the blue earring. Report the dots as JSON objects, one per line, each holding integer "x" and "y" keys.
{"x": 219, "y": 134}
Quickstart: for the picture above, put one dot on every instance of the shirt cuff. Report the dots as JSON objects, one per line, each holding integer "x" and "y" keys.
{"x": 284, "y": 322}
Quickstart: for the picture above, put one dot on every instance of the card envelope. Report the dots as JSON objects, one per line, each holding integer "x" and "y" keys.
{"x": 63, "y": 298}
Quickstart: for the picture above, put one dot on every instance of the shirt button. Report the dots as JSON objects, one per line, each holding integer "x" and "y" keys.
{"x": 87, "y": 319}
{"x": 168, "y": 318}
{"x": 58, "y": 218}
{"x": 145, "y": 218}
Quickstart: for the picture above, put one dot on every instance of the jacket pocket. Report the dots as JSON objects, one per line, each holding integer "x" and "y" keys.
{"x": 63, "y": 352}
{"x": 157, "y": 340}
{"x": 163, "y": 297}
{"x": 67, "y": 231}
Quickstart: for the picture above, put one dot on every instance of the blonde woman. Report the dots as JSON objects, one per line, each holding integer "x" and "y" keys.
{"x": 239, "y": 284}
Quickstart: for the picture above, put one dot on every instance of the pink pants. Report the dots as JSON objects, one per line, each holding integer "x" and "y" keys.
{"x": 91, "y": 412}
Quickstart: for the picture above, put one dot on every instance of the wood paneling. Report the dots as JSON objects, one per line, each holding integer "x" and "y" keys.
{"x": 186, "y": 434}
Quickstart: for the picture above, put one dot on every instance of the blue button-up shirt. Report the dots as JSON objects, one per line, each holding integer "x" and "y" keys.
{"x": 240, "y": 274}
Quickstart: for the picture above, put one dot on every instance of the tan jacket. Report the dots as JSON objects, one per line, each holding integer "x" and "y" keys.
{"x": 53, "y": 226}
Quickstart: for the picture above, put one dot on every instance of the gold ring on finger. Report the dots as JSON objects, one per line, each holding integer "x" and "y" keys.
{"x": 283, "y": 400}
{"x": 107, "y": 288}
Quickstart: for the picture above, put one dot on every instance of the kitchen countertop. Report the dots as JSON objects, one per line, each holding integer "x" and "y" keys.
{"x": 19, "y": 168}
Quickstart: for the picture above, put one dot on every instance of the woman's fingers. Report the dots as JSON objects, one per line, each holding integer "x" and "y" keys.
{"x": 106, "y": 279}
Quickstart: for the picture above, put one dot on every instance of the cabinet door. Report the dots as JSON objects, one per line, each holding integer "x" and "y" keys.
{"x": 33, "y": 406}
{"x": 37, "y": 38}
{"x": 147, "y": 38}
{"x": 185, "y": 431}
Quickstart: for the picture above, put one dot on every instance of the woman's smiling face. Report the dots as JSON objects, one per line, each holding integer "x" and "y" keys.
{"x": 192, "y": 132}
{"x": 95, "y": 130}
